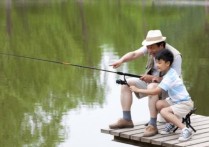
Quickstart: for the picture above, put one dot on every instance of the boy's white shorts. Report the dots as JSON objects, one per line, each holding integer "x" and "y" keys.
{"x": 181, "y": 109}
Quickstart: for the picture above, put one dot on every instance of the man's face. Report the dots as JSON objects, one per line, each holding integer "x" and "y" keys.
{"x": 153, "y": 49}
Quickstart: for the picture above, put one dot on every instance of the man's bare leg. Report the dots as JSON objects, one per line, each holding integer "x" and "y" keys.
{"x": 152, "y": 100}
{"x": 126, "y": 99}
{"x": 151, "y": 129}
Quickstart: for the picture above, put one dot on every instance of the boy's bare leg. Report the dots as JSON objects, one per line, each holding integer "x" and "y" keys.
{"x": 167, "y": 113}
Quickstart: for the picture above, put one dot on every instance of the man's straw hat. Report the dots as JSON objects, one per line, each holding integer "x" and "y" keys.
{"x": 153, "y": 36}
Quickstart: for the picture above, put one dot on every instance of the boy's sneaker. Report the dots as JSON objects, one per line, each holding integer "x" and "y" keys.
{"x": 167, "y": 129}
{"x": 186, "y": 134}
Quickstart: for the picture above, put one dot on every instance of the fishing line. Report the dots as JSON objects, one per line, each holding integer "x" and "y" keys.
{"x": 66, "y": 63}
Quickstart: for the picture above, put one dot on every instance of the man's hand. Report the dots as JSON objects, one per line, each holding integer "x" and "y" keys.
{"x": 147, "y": 78}
{"x": 156, "y": 79}
{"x": 116, "y": 64}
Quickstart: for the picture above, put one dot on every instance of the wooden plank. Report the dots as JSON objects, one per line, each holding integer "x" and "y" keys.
{"x": 132, "y": 142}
{"x": 135, "y": 135}
{"x": 204, "y": 144}
{"x": 171, "y": 143}
{"x": 117, "y": 132}
{"x": 128, "y": 134}
{"x": 127, "y": 131}
{"x": 106, "y": 131}
{"x": 138, "y": 135}
{"x": 175, "y": 136}
{"x": 140, "y": 130}
{"x": 149, "y": 139}
{"x": 196, "y": 140}
{"x": 194, "y": 118}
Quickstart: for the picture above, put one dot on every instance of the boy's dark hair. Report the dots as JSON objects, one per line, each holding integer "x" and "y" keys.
{"x": 165, "y": 55}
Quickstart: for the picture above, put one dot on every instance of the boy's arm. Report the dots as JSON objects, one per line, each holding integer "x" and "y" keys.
{"x": 155, "y": 91}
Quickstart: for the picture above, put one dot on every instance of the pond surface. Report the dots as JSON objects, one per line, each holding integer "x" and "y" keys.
{"x": 54, "y": 105}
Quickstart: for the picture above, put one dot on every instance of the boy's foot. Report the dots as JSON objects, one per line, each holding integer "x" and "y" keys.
{"x": 150, "y": 130}
{"x": 167, "y": 129}
{"x": 186, "y": 134}
{"x": 122, "y": 123}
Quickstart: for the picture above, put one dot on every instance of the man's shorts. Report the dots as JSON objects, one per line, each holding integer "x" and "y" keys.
{"x": 143, "y": 85}
{"x": 181, "y": 109}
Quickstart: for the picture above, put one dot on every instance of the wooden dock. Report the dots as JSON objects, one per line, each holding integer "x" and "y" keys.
{"x": 133, "y": 136}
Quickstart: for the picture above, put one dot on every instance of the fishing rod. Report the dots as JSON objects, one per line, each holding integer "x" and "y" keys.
{"x": 76, "y": 65}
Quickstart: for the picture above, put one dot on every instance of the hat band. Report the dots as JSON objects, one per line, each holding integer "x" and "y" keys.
{"x": 154, "y": 38}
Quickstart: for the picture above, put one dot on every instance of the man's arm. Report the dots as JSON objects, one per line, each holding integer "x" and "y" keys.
{"x": 155, "y": 91}
{"x": 128, "y": 57}
{"x": 176, "y": 65}
{"x": 177, "y": 62}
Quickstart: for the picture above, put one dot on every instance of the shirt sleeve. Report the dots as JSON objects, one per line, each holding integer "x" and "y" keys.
{"x": 166, "y": 82}
{"x": 163, "y": 85}
{"x": 143, "y": 49}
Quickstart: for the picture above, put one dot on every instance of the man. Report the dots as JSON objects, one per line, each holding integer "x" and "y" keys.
{"x": 153, "y": 43}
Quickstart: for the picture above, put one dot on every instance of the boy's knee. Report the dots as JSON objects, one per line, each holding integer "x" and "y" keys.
{"x": 163, "y": 111}
{"x": 152, "y": 85}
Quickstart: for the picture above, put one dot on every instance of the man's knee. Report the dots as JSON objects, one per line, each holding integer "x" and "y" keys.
{"x": 153, "y": 98}
{"x": 125, "y": 87}
{"x": 159, "y": 105}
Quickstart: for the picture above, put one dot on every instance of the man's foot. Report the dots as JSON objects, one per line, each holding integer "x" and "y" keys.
{"x": 186, "y": 134}
{"x": 122, "y": 123}
{"x": 167, "y": 129}
{"x": 150, "y": 130}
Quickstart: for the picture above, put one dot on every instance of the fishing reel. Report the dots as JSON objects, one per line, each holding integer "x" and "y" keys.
{"x": 122, "y": 82}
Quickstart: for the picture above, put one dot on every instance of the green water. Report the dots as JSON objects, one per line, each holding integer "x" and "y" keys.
{"x": 42, "y": 102}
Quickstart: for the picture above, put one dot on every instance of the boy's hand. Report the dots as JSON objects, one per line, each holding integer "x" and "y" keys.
{"x": 134, "y": 89}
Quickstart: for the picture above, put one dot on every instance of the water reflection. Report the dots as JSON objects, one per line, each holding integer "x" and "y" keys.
{"x": 182, "y": 3}
{"x": 44, "y": 104}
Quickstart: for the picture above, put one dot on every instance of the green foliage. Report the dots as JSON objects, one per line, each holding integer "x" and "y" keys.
{"x": 35, "y": 95}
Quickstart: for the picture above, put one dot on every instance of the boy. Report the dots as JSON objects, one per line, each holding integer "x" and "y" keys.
{"x": 179, "y": 102}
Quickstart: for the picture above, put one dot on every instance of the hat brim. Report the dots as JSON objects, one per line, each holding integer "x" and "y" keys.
{"x": 146, "y": 43}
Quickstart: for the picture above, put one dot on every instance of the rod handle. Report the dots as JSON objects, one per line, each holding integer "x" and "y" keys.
{"x": 127, "y": 74}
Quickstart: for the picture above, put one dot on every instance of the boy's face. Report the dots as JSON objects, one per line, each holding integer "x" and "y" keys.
{"x": 162, "y": 66}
